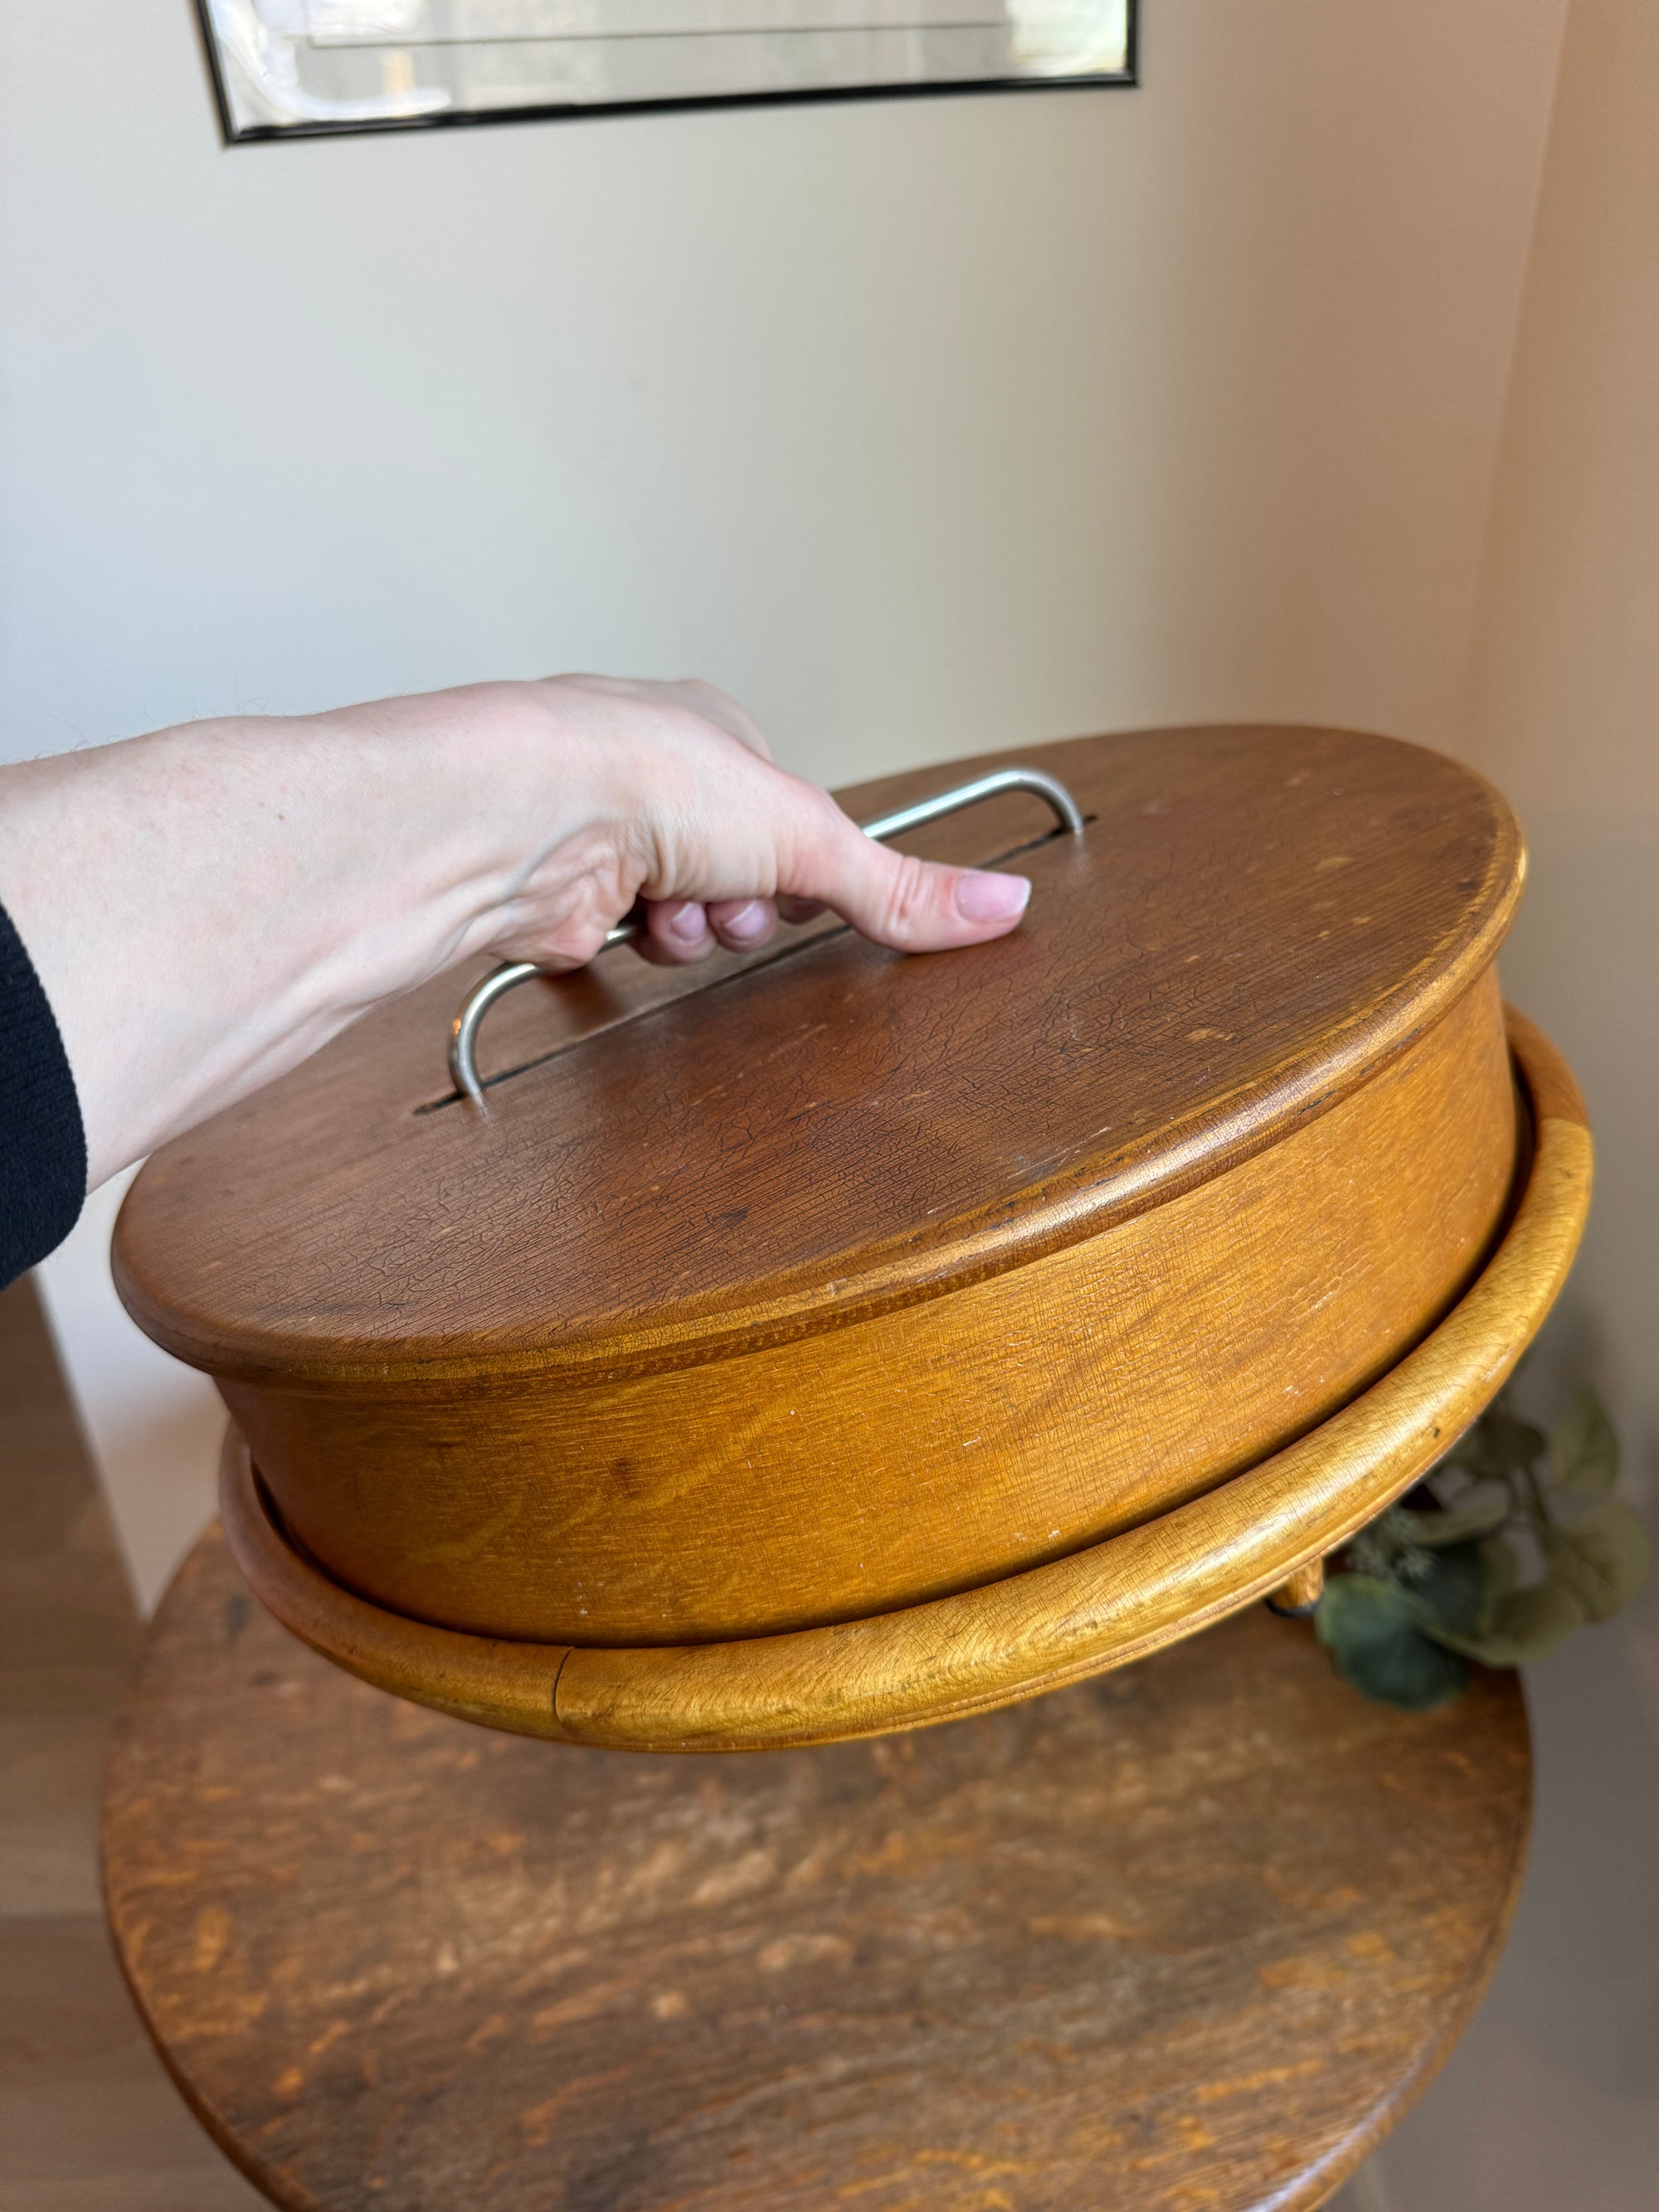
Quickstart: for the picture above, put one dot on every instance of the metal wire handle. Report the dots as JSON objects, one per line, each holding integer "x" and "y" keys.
{"x": 464, "y": 1034}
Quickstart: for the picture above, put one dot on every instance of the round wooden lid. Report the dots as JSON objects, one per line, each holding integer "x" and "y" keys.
{"x": 676, "y": 1163}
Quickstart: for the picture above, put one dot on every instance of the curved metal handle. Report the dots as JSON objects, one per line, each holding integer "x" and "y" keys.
{"x": 464, "y": 1033}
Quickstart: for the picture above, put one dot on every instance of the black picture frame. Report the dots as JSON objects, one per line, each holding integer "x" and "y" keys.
{"x": 238, "y": 132}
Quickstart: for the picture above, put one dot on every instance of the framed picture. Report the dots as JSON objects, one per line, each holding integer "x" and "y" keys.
{"x": 293, "y": 68}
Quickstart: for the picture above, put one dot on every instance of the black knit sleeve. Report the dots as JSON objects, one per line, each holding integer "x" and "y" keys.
{"x": 43, "y": 1146}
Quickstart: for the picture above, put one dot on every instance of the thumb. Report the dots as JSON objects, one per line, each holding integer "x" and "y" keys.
{"x": 895, "y": 899}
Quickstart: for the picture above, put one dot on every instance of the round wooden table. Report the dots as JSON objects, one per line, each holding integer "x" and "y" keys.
{"x": 1187, "y": 1936}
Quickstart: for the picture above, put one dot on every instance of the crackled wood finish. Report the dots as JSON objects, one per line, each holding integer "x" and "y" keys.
{"x": 1191, "y": 1936}
{"x": 837, "y": 1283}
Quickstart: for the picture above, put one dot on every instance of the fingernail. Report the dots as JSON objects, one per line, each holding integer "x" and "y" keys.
{"x": 984, "y": 897}
{"x": 690, "y": 924}
{"x": 748, "y": 923}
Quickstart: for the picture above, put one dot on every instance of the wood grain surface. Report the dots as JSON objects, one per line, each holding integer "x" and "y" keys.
{"x": 1185, "y": 1940}
{"x": 843, "y": 1283}
{"x": 933, "y": 1448}
{"x": 1102, "y": 1607}
{"x": 1253, "y": 922}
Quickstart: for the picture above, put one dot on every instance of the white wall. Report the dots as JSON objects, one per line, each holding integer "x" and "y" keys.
{"x": 1563, "y": 704}
{"x": 1553, "y": 2099}
{"x": 926, "y": 426}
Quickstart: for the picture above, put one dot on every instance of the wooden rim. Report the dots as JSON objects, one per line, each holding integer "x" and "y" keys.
{"x": 1097, "y": 1609}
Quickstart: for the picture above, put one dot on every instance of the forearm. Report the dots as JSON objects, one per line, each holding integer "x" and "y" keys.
{"x": 207, "y": 905}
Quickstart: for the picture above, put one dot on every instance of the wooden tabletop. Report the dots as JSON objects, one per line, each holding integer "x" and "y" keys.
{"x": 1188, "y": 1937}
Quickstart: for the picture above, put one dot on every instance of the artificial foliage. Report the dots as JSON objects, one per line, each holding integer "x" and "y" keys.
{"x": 1510, "y": 1542}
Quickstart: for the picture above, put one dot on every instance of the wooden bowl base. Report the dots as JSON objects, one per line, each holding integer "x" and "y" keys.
{"x": 1030, "y": 1633}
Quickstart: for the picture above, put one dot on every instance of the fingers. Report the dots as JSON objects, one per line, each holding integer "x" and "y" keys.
{"x": 819, "y": 859}
{"x": 742, "y": 923}
{"x": 688, "y": 812}
{"x": 681, "y": 931}
{"x": 914, "y": 905}
{"x": 676, "y": 932}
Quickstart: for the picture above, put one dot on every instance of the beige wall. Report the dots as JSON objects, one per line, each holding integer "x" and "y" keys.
{"x": 1564, "y": 693}
{"x": 1553, "y": 2099}
{"x": 927, "y": 427}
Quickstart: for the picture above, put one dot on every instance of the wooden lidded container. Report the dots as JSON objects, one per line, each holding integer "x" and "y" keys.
{"x": 798, "y": 1340}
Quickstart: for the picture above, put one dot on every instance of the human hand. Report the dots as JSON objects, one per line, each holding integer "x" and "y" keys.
{"x": 680, "y": 805}
{"x": 208, "y": 904}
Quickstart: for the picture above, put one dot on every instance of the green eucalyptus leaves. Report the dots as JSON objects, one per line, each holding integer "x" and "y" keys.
{"x": 1481, "y": 1561}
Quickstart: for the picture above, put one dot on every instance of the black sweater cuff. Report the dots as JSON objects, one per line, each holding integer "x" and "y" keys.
{"x": 43, "y": 1146}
